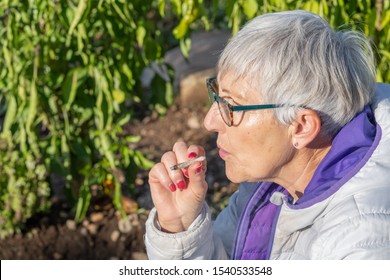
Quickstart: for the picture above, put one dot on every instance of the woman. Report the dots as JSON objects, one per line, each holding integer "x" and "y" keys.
{"x": 304, "y": 128}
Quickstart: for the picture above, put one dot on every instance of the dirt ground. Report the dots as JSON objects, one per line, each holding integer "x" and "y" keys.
{"x": 100, "y": 235}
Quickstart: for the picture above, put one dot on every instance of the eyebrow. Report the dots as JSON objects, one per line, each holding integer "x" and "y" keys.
{"x": 232, "y": 95}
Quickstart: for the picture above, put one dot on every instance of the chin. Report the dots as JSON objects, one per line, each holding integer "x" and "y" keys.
{"x": 233, "y": 176}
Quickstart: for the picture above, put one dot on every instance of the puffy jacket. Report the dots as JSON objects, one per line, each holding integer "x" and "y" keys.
{"x": 352, "y": 222}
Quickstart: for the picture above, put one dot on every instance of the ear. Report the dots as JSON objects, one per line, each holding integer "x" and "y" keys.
{"x": 305, "y": 128}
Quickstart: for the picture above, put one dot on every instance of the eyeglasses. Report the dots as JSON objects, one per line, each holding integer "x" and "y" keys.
{"x": 226, "y": 109}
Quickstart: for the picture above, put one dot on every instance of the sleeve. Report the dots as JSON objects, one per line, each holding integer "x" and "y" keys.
{"x": 366, "y": 237}
{"x": 204, "y": 239}
{"x": 198, "y": 242}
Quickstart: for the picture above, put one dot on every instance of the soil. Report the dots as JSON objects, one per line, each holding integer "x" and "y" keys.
{"x": 101, "y": 235}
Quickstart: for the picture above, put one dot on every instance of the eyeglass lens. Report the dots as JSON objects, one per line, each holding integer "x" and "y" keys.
{"x": 223, "y": 105}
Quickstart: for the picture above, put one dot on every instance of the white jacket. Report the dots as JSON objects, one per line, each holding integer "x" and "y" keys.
{"x": 353, "y": 223}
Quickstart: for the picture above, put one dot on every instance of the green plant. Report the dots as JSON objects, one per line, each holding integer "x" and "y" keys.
{"x": 369, "y": 16}
{"x": 70, "y": 80}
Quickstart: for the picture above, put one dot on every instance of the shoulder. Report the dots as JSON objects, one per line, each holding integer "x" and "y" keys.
{"x": 381, "y": 102}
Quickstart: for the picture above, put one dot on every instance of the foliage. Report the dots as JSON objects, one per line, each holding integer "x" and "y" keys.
{"x": 372, "y": 17}
{"x": 70, "y": 80}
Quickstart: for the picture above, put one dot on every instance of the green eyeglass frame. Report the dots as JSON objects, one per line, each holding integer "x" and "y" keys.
{"x": 224, "y": 105}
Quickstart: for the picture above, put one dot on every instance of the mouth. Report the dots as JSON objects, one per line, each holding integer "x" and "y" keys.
{"x": 222, "y": 153}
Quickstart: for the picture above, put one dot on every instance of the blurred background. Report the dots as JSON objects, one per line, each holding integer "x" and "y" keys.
{"x": 92, "y": 92}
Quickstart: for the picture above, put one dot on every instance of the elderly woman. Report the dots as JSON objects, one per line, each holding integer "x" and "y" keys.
{"x": 305, "y": 129}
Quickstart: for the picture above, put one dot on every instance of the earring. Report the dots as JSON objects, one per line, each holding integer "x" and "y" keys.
{"x": 296, "y": 144}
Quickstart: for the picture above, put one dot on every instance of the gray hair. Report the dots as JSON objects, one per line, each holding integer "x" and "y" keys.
{"x": 295, "y": 57}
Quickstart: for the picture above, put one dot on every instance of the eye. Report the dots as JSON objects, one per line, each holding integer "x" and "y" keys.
{"x": 229, "y": 100}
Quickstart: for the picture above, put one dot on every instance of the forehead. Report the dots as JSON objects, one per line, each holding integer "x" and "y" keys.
{"x": 236, "y": 86}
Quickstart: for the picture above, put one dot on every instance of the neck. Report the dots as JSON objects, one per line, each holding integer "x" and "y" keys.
{"x": 296, "y": 175}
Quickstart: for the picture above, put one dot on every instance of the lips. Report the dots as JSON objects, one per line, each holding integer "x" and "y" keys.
{"x": 223, "y": 153}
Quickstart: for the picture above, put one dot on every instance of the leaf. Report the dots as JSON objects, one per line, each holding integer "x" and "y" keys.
{"x": 250, "y": 8}
{"x": 32, "y": 109}
{"x": 181, "y": 29}
{"x": 81, "y": 8}
{"x": 106, "y": 144}
{"x": 176, "y": 4}
{"x": 118, "y": 95}
{"x": 83, "y": 201}
{"x": 141, "y": 32}
{"x": 385, "y": 20}
{"x": 133, "y": 139}
{"x": 161, "y": 7}
{"x": 185, "y": 46}
{"x": 10, "y": 115}
{"x": 69, "y": 88}
{"x": 142, "y": 161}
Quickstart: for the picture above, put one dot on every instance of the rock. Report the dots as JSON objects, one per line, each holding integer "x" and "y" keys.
{"x": 193, "y": 90}
{"x": 85, "y": 223}
{"x": 125, "y": 225}
{"x": 193, "y": 123}
{"x": 96, "y": 217}
{"x": 191, "y": 74}
{"x": 84, "y": 231}
{"x": 204, "y": 53}
{"x": 114, "y": 236}
{"x": 57, "y": 256}
{"x": 129, "y": 205}
{"x": 139, "y": 256}
{"x": 92, "y": 229}
{"x": 71, "y": 224}
{"x": 139, "y": 181}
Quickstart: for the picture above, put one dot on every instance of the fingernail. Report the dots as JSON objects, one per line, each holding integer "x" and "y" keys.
{"x": 198, "y": 169}
{"x": 181, "y": 185}
{"x": 172, "y": 187}
{"x": 192, "y": 155}
{"x": 186, "y": 173}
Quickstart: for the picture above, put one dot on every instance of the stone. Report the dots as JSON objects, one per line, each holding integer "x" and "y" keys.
{"x": 92, "y": 229}
{"x": 57, "y": 256}
{"x": 125, "y": 225}
{"x": 96, "y": 217}
{"x": 205, "y": 50}
{"x": 191, "y": 74}
{"x": 84, "y": 231}
{"x": 71, "y": 224}
{"x": 114, "y": 236}
{"x": 193, "y": 123}
{"x": 193, "y": 89}
{"x": 139, "y": 256}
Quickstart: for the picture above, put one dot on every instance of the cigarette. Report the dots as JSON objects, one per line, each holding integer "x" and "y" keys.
{"x": 187, "y": 163}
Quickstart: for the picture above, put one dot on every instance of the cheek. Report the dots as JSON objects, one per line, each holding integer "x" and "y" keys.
{"x": 260, "y": 150}
{"x": 250, "y": 149}
{"x": 253, "y": 121}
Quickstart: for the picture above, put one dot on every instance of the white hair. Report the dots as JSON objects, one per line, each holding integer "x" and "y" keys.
{"x": 296, "y": 58}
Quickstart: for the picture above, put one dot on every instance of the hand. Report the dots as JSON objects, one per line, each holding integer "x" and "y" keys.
{"x": 178, "y": 195}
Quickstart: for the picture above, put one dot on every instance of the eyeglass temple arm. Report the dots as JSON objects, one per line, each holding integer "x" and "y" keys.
{"x": 257, "y": 107}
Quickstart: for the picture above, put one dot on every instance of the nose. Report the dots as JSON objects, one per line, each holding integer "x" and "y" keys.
{"x": 213, "y": 121}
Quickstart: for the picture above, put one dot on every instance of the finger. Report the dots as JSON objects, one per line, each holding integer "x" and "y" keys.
{"x": 197, "y": 170}
{"x": 169, "y": 159}
{"x": 180, "y": 149}
{"x": 159, "y": 175}
{"x": 195, "y": 151}
{"x": 197, "y": 178}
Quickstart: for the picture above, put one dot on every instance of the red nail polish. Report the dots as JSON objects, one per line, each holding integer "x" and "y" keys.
{"x": 186, "y": 173}
{"x": 181, "y": 185}
{"x": 192, "y": 155}
{"x": 172, "y": 187}
{"x": 198, "y": 169}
